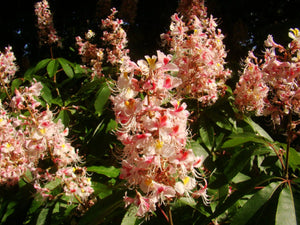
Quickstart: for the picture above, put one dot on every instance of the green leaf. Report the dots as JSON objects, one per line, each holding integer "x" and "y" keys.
{"x": 111, "y": 126}
{"x": 28, "y": 75}
{"x": 286, "y": 213}
{"x": 101, "y": 190}
{"x": 41, "y": 220}
{"x": 52, "y": 67}
{"x": 102, "y": 209}
{"x": 237, "y": 163}
{"x": 53, "y": 184}
{"x": 238, "y": 139}
{"x": 254, "y": 204}
{"x": 294, "y": 159}
{"x": 130, "y": 217}
{"x": 207, "y": 134}
{"x": 101, "y": 99}
{"x": 64, "y": 117}
{"x": 258, "y": 129}
{"x": 66, "y": 65}
{"x": 197, "y": 149}
{"x": 46, "y": 94}
{"x": 42, "y": 64}
{"x": 15, "y": 84}
{"x": 107, "y": 171}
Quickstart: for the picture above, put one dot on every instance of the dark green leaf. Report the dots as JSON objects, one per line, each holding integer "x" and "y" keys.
{"x": 52, "y": 67}
{"x": 66, "y": 65}
{"x": 258, "y": 129}
{"x": 238, "y": 139}
{"x": 28, "y": 75}
{"x": 102, "y": 209}
{"x": 101, "y": 99}
{"x": 254, "y": 204}
{"x": 102, "y": 190}
{"x": 107, "y": 171}
{"x": 207, "y": 134}
{"x": 237, "y": 163}
{"x": 15, "y": 84}
{"x": 286, "y": 213}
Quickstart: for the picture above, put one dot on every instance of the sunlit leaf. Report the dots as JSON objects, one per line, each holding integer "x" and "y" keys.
{"x": 52, "y": 67}
{"x": 42, "y": 64}
{"x": 286, "y": 213}
{"x": 107, "y": 171}
{"x": 41, "y": 220}
{"x": 66, "y": 65}
{"x": 130, "y": 217}
{"x": 64, "y": 117}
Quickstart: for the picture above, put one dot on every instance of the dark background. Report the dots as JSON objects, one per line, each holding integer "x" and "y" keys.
{"x": 245, "y": 23}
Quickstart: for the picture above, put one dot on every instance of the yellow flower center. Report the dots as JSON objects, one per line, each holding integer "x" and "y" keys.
{"x": 186, "y": 180}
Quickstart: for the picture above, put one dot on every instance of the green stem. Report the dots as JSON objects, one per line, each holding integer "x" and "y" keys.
{"x": 170, "y": 216}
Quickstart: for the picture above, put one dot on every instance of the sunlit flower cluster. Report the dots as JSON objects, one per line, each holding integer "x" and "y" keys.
{"x": 34, "y": 147}
{"x": 91, "y": 54}
{"x": 155, "y": 161}
{"x": 47, "y": 32}
{"x": 115, "y": 37}
{"x": 199, "y": 53}
{"x": 271, "y": 86}
{"x": 7, "y": 66}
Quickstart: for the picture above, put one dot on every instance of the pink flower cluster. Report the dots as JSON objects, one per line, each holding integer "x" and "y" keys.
{"x": 199, "y": 53}
{"x": 47, "y": 32}
{"x": 271, "y": 86}
{"x": 155, "y": 161}
{"x": 35, "y": 148}
{"x": 90, "y": 53}
{"x": 115, "y": 37}
{"x": 7, "y": 66}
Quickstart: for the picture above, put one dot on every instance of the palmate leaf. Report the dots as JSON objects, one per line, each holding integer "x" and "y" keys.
{"x": 286, "y": 213}
{"x": 254, "y": 204}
